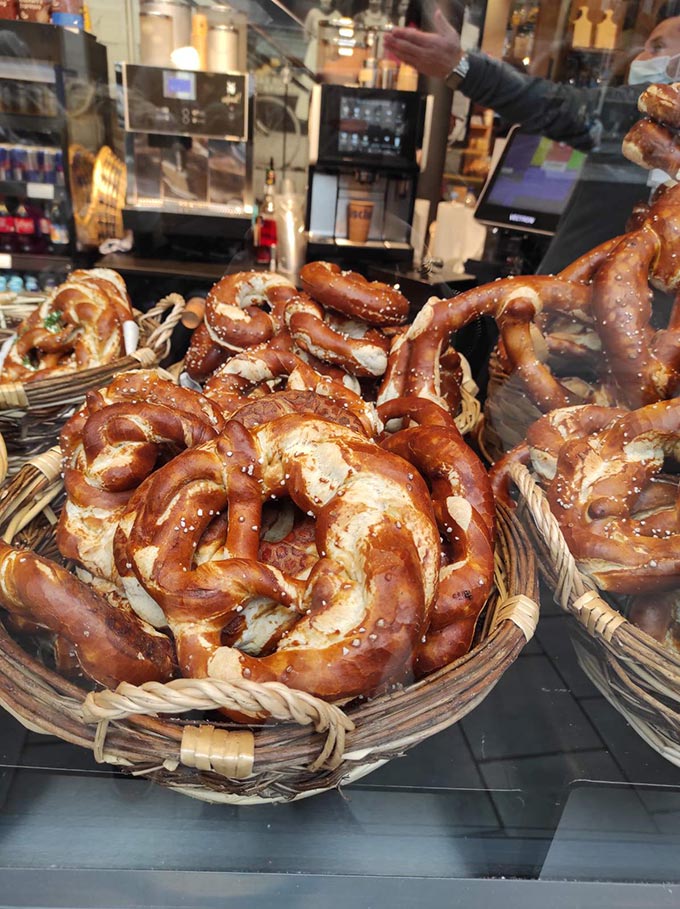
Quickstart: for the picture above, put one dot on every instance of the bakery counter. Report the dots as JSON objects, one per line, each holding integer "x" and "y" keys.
{"x": 543, "y": 795}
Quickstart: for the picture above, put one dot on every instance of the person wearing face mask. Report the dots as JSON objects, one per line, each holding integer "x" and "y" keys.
{"x": 593, "y": 120}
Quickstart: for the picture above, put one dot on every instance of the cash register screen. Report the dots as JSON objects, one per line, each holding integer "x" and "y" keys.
{"x": 531, "y": 184}
{"x": 371, "y": 126}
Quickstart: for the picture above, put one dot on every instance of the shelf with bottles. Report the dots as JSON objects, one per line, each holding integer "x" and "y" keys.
{"x": 30, "y": 228}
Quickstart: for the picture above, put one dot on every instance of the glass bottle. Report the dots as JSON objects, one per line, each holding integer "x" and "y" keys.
{"x": 265, "y": 236}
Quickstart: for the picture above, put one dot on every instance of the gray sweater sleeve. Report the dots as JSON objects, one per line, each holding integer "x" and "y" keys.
{"x": 567, "y": 113}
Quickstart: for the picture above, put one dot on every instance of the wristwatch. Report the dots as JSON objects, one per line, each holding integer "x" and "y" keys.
{"x": 459, "y": 72}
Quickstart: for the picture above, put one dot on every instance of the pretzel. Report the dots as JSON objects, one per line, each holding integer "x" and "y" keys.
{"x": 350, "y": 294}
{"x": 204, "y": 356}
{"x": 645, "y": 363}
{"x": 111, "y": 646}
{"x": 596, "y": 493}
{"x": 514, "y": 302}
{"x": 652, "y": 145}
{"x": 464, "y": 509}
{"x": 367, "y": 598}
{"x": 78, "y": 326}
{"x": 109, "y": 447}
{"x": 254, "y": 371}
{"x": 233, "y": 308}
{"x": 355, "y": 346}
{"x": 662, "y": 103}
{"x": 657, "y": 615}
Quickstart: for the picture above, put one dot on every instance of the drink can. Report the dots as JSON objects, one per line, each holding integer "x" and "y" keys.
{"x": 32, "y": 165}
{"x": 5, "y": 165}
{"x": 18, "y": 156}
{"x": 48, "y": 166}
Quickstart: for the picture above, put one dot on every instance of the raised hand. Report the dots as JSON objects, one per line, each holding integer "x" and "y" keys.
{"x": 431, "y": 53}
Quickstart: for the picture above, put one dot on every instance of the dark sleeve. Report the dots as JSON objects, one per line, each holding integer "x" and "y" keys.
{"x": 567, "y": 113}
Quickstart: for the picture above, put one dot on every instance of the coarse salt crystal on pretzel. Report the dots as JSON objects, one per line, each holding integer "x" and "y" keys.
{"x": 352, "y": 295}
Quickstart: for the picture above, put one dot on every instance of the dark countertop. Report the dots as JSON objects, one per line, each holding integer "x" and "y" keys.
{"x": 543, "y": 783}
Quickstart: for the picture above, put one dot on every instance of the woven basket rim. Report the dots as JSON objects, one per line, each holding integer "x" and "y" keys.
{"x": 637, "y": 674}
{"x": 384, "y": 726}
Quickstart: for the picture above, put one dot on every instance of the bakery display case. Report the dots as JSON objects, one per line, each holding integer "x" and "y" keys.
{"x": 345, "y": 576}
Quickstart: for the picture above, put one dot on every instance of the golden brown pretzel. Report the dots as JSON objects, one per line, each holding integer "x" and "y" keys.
{"x": 464, "y": 509}
{"x": 78, "y": 326}
{"x": 365, "y": 601}
{"x": 350, "y": 294}
{"x": 644, "y": 363}
{"x": 111, "y": 646}
{"x": 233, "y": 308}
{"x": 355, "y": 346}
{"x": 513, "y": 302}
{"x": 662, "y": 102}
{"x": 255, "y": 371}
{"x": 652, "y": 145}
{"x": 203, "y": 355}
{"x": 110, "y": 446}
{"x": 596, "y": 493}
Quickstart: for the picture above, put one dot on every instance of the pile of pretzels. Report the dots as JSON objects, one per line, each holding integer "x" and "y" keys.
{"x": 80, "y": 325}
{"x": 609, "y": 459}
{"x": 289, "y": 521}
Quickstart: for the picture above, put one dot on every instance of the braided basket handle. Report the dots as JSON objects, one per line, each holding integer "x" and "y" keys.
{"x": 182, "y": 695}
{"x": 160, "y": 337}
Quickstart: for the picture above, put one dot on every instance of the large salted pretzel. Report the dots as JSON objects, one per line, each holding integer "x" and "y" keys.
{"x": 259, "y": 371}
{"x": 362, "y": 607}
{"x": 110, "y": 446}
{"x": 464, "y": 509}
{"x": 78, "y": 326}
{"x": 602, "y": 469}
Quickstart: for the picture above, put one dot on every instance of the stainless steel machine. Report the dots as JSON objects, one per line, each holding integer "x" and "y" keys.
{"x": 188, "y": 150}
{"x": 367, "y": 145}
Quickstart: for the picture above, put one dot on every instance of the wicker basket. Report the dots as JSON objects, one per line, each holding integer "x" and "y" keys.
{"x": 635, "y": 673}
{"x": 99, "y": 185}
{"x": 32, "y": 413}
{"x": 315, "y": 747}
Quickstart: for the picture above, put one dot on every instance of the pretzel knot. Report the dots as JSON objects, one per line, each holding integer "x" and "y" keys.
{"x": 464, "y": 509}
{"x": 78, "y": 326}
{"x": 357, "y": 613}
{"x": 261, "y": 370}
{"x": 601, "y": 498}
{"x": 110, "y": 446}
{"x": 242, "y": 310}
{"x": 109, "y": 644}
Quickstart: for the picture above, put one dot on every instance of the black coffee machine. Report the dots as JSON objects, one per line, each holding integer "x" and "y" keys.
{"x": 365, "y": 145}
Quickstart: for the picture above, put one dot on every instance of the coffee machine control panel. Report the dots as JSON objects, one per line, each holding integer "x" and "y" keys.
{"x": 178, "y": 103}
{"x": 377, "y": 127}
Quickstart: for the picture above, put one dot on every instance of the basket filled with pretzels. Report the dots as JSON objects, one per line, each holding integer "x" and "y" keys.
{"x": 604, "y": 330}
{"x": 597, "y": 477}
{"x": 76, "y": 338}
{"x": 267, "y": 586}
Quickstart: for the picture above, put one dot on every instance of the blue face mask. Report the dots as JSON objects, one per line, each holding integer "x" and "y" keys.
{"x": 656, "y": 69}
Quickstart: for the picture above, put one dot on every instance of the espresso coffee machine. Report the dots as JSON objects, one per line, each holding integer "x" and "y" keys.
{"x": 366, "y": 146}
{"x": 188, "y": 151}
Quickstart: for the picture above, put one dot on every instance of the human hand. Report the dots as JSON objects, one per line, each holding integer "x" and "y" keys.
{"x": 431, "y": 53}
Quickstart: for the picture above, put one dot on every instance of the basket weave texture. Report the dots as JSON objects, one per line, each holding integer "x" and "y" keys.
{"x": 508, "y": 412}
{"x": 634, "y": 672}
{"x": 315, "y": 746}
{"x": 32, "y": 413}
